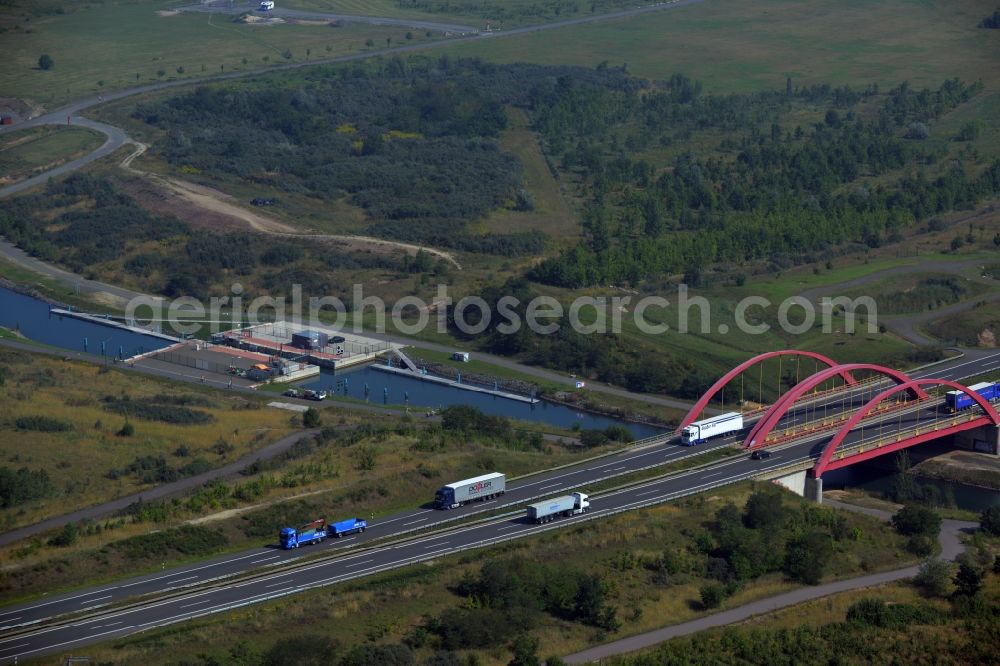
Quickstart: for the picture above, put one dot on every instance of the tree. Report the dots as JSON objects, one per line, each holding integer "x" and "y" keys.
{"x": 66, "y": 536}
{"x": 45, "y": 62}
{"x": 934, "y": 578}
{"x": 989, "y": 520}
{"x": 968, "y": 579}
{"x": 763, "y": 509}
{"x": 525, "y": 649}
{"x": 311, "y": 418}
{"x": 912, "y": 519}
{"x": 806, "y": 557}
{"x": 712, "y": 595}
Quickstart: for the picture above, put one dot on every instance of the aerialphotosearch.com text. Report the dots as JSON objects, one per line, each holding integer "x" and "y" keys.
{"x": 544, "y": 315}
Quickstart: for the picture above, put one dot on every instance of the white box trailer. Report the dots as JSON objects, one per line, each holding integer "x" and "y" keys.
{"x": 567, "y": 505}
{"x": 723, "y": 424}
{"x": 462, "y": 492}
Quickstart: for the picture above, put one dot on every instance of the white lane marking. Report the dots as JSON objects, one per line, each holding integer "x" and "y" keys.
{"x": 648, "y": 492}
{"x": 275, "y": 584}
{"x": 552, "y": 485}
{"x": 58, "y": 601}
{"x": 265, "y": 559}
{"x": 506, "y": 527}
{"x": 414, "y": 522}
{"x": 15, "y": 647}
{"x": 618, "y": 469}
{"x": 77, "y": 640}
{"x": 357, "y": 564}
{"x": 392, "y": 520}
{"x": 197, "y": 603}
{"x": 11, "y": 619}
{"x": 181, "y": 579}
{"x": 87, "y": 601}
{"x": 181, "y": 573}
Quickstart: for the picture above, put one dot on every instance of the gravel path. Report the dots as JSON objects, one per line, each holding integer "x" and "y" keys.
{"x": 951, "y": 547}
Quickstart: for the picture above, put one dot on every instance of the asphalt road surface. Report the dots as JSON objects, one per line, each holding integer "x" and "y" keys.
{"x": 27, "y": 641}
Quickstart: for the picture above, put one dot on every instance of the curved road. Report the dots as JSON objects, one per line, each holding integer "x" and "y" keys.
{"x": 951, "y": 548}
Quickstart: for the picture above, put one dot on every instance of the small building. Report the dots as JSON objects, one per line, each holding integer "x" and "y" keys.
{"x": 309, "y": 340}
{"x": 462, "y": 357}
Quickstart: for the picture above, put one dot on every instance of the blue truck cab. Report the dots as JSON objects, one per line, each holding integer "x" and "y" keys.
{"x": 314, "y": 532}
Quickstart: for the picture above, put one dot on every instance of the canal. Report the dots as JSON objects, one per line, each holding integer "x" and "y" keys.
{"x": 33, "y": 319}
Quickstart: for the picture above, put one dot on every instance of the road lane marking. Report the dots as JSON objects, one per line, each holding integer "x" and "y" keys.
{"x": 87, "y": 601}
{"x": 181, "y": 573}
{"x": 414, "y": 522}
{"x": 552, "y": 485}
{"x": 357, "y": 564}
{"x": 197, "y": 603}
{"x": 648, "y": 492}
{"x": 15, "y": 647}
{"x": 507, "y": 527}
{"x": 263, "y": 559}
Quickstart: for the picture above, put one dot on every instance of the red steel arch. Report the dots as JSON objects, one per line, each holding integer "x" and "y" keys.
{"x": 703, "y": 401}
{"x": 779, "y": 409}
{"x": 831, "y": 447}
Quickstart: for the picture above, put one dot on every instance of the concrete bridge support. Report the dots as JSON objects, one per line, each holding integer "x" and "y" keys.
{"x": 814, "y": 489}
{"x": 983, "y": 440}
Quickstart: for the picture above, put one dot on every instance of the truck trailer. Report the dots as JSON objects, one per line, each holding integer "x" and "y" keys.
{"x": 482, "y": 487}
{"x": 568, "y": 505}
{"x": 348, "y": 526}
{"x": 314, "y": 532}
{"x": 723, "y": 424}
{"x": 956, "y": 400}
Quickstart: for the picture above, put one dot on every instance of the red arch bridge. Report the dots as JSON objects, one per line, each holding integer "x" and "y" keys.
{"x": 851, "y": 412}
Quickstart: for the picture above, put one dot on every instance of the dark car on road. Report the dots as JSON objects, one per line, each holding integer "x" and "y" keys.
{"x": 760, "y": 454}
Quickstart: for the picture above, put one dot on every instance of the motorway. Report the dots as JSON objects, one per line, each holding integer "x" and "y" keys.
{"x": 276, "y": 573}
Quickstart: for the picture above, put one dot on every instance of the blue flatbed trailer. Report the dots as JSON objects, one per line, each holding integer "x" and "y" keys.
{"x": 348, "y": 526}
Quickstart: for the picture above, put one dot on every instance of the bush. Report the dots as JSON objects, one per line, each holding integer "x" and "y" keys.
{"x": 303, "y": 650}
{"x": 311, "y": 418}
{"x": 934, "y": 578}
{"x": 24, "y": 485}
{"x": 989, "y": 520}
{"x": 712, "y": 595}
{"x": 806, "y": 557}
{"x": 45, "y": 62}
{"x": 186, "y": 540}
{"x": 65, "y": 537}
{"x": 41, "y": 424}
{"x": 127, "y": 430}
{"x": 877, "y": 613}
{"x": 912, "y": 520}
{"x": 920, "y": 544}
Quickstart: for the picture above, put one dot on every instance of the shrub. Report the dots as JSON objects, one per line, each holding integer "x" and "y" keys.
{"x": 806, "y": 557}
{"x": 920, "y": 544}
{"x": 45, "y": 62}
{"x": 186, "y": 540}
{"x": 311, "y": 418}
{"x": 989, "y": 520}
{"x": 712, "y": 595}
{"x": 65, "y": 537}
{"x": 40, "y": 423}
{"x": 933, "y": 578}
{"x": 24, "y": 485}
{"x": 912, "y": 519}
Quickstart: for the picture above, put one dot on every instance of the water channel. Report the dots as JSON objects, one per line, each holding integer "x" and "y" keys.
{"x": 32, "y": 317}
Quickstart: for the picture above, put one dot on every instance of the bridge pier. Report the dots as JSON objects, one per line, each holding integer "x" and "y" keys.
{"x": 814, "y": 489}
{"x": 985, "y": 439}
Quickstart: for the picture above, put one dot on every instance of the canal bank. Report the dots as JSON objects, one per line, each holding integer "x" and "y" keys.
{"x": 34, "y": 319}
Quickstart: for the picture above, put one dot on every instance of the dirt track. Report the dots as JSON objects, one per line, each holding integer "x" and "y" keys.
{"x": 220, "y": 203}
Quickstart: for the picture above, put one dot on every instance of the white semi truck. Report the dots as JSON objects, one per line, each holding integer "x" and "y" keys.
{"x": 723, "y": 424}
{"x": 483, "y": 487}
{"x": 568, "y": 505}
{"x": 267, "y": 5}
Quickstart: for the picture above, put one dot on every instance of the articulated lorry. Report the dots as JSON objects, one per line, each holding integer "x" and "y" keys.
{"x": 314, "y": 532}
{"x": 462, "y": 492}
{"x": 318, "y": 530}
{"x": 723, "y": 424}
{"x": 569, "y": 505}
{"x": 956, "y": 400}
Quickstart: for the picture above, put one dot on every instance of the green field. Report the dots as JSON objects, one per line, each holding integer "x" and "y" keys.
{"x": 22, "y": 154}
{"x": 735, "y": 46}
{"x": 108, "y": 47}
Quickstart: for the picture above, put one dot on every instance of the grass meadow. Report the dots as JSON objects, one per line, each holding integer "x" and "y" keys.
{"x": 25, "y": 153}
{"x": 78, "y": 459}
